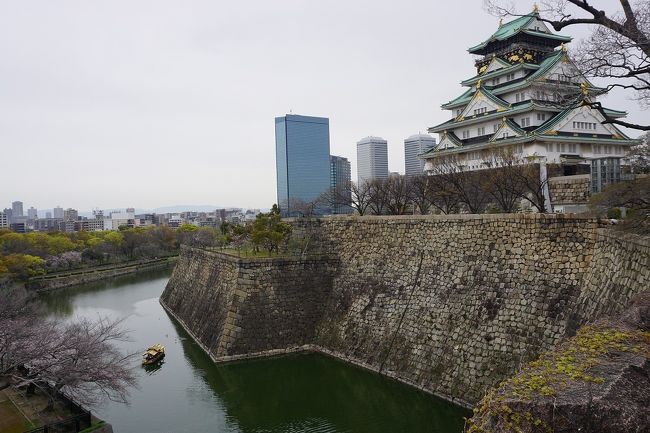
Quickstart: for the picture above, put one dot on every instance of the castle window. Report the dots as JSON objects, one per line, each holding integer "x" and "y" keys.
{"x": 481, "y": 131}
{"x": 495, "y": 126}
{"x": 465, "y": 134}
{"x": 525, "y": 121}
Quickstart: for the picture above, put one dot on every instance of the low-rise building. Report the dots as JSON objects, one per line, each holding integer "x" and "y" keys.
{"x": 48, "y": 224}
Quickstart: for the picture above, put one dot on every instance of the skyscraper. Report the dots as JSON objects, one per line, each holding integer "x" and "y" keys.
{"x": 340, "y": 176}
{"x": 302, "y": 152}
{"x": 372, "y": 159}
{"x": 4, "y": 221}
{"x": 414, "y": 146}
{"x": 58, "y": 212}
{"x": 17, "y": 209}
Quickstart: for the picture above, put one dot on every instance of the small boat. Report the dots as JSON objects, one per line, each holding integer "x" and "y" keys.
{"x": 153, "y": 354}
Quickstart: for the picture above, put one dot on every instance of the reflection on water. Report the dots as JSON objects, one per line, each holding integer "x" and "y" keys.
{"x": 187, "y": 392}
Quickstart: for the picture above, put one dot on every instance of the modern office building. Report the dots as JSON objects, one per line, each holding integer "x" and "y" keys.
{"x": 58, "y": 212}
{"x": 9, "y": 213}
{"x": 4, "y": 221}
{"x": 70, "y": 215}
{"x": 340, "y": 177}
{"x": 372, "y": 159}
{"x": 17, "y": 209}
{"x": 302, "y": 151}
{"x": 32, "y": 213}
{"x": 413, "y": 146}
{"x": 48, "y": 215}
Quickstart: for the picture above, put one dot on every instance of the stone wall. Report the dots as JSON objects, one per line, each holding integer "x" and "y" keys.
{"x": 570, "y": 189}
{"x": 237, "y": 307}
{"x": 451, "y": 305}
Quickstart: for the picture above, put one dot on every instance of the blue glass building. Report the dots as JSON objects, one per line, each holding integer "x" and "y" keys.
{"x": 302, "y": 155}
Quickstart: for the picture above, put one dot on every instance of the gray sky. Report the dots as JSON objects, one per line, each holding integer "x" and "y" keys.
{"x": 115, "y": 103}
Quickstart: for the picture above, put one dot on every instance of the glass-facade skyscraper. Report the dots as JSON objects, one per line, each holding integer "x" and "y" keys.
{"x": 340, "y": 177}
{"x": 302, "y": 155}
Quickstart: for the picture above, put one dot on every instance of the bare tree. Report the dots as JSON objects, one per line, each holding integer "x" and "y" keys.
{"x": 468, "y": 185}
{"x": 378, "y": 196}
{"x": 503, "y": 180}
{"x": 399, "y": 194}
{"x": 421, "y": 192}
{"x": 306, "y": 209}
{"x": 442, "y": 194}
{"x": 618, "y": 49}
{"x": 533, "y": 187}
{"x": 79, "y": 358}
{"x": 360, "y": 196}
{"x": 639, "y": 156}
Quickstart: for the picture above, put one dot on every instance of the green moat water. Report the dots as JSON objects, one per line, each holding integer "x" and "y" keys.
{"x": 189, "y": 393}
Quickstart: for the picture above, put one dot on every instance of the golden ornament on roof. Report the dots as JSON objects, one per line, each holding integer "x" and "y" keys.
{"x": 482, "y": 69}
{"x": 478, "y": 84}
{"x": 584, "y": 88}
{"x": 563, "y": 47}
{"x": 535, "y": 7}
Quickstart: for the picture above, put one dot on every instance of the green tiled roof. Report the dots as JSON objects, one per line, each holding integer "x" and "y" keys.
{"x": 514, "y": 27}
{"x": 546, "y": 65}
{"x": 499, "y": 72}
{"x": 512, "y": 125}
{"x": 495, "y": 115}
{"x": 465, "y": 97}
{"x": 614, "y": 113}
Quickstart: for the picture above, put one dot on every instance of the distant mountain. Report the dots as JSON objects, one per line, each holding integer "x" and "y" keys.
{"x": 182, "y": 208}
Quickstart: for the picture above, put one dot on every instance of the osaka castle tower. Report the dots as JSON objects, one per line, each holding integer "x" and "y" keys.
{"x": 528, "y": 97}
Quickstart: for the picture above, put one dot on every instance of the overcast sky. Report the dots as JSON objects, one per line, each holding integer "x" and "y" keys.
{"x": 109, "y": 104}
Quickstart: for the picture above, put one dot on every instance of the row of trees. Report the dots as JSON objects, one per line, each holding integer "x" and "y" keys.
{"x": 450, "y": 187}
{"x": 23, "y": 255}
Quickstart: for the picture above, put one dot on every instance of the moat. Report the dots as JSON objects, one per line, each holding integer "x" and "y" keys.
{"x": 189, "y": 393}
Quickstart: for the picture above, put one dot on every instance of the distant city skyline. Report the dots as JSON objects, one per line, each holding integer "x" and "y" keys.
{"x": 177, "y": 106}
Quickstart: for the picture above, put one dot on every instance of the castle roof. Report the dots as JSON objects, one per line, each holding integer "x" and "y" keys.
{"x": 516, "y": 27}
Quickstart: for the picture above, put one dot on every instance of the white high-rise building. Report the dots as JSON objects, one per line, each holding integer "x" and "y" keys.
{"x": 413, "y": 146}
{"x": 58, "y": 212}
{"x": 4, "y": 221}
{"x": 17, "y": 209}
{"x": 32, "y": 213}
{"x": 372, "y": 159}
